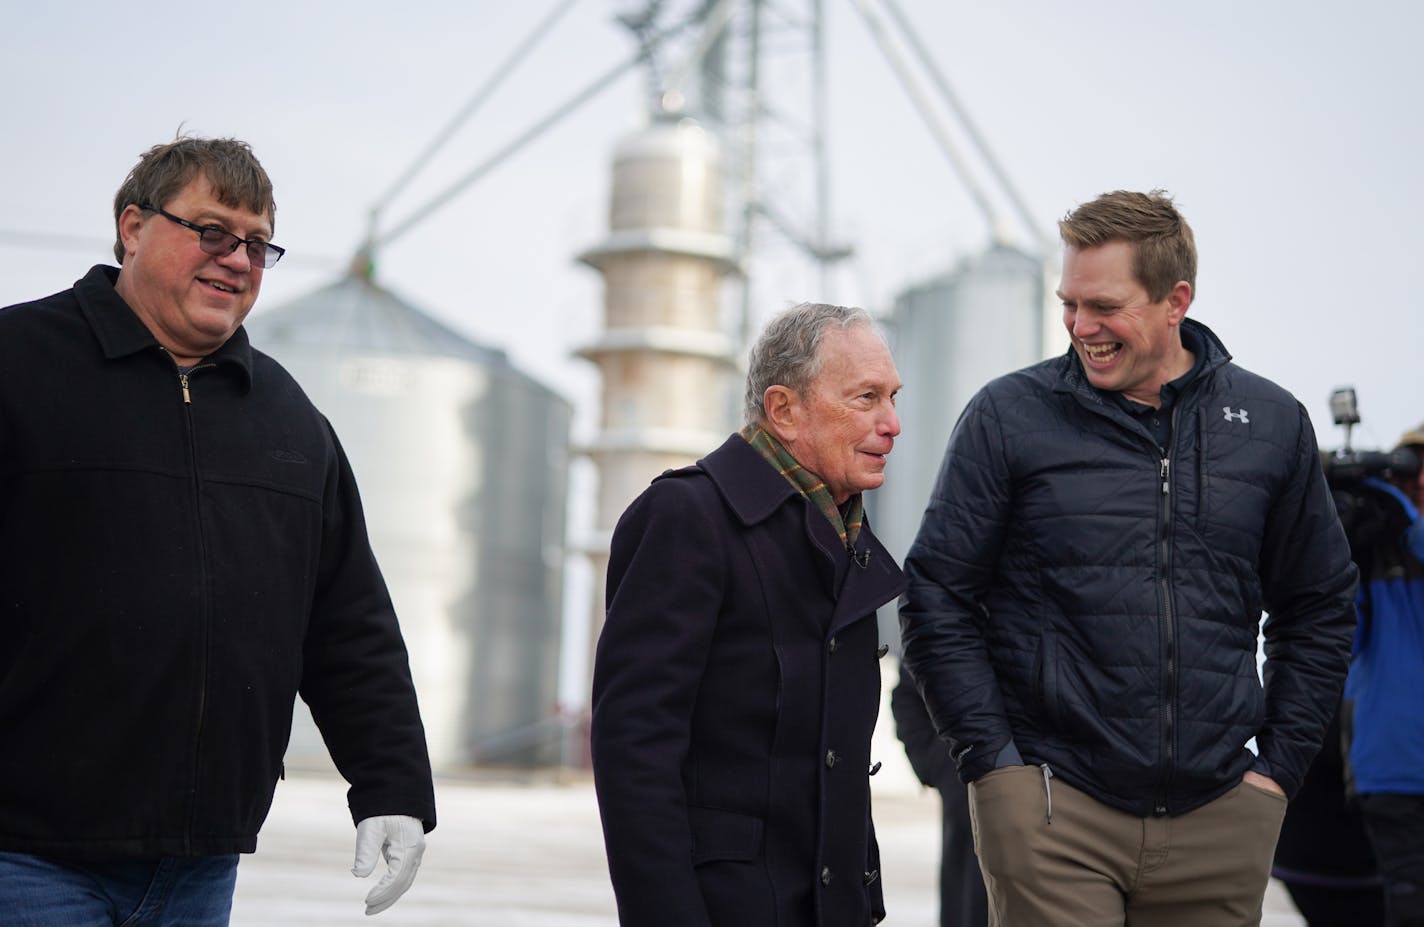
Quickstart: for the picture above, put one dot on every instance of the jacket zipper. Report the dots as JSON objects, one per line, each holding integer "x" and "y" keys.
{"x": 203, "y": 624}
{"x": 1169, "y": 656}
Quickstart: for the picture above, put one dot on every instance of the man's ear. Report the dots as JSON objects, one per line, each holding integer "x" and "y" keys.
{"x": 130, "y": 222}
{"x": 1178, "y": 301}
{"x": 782, "y": 407}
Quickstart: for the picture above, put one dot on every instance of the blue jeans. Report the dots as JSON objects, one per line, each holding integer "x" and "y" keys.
{"x": 193, "y": 892}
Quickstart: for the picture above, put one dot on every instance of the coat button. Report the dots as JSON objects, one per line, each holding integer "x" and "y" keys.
{"x": 871, "y": 876}
{"x": 833, "y": 645}
{"x": 831, "y": 758}
{"x": 876, "y": 768}
{"x": 882, "y": 650}
{"x": 825, "y": 875}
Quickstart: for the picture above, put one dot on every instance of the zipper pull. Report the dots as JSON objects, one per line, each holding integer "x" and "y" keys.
{"x": 1165, "y": 464}
{"x": 183, "y": 382}
{"x": 1048, "y": 788}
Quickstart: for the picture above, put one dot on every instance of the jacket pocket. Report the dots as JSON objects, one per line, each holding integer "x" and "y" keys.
{"x": 1068, "y": 697}
{"x": 725, "y": 835}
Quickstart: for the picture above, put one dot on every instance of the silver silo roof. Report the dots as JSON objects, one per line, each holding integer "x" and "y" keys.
{"x": 356, "y": 314}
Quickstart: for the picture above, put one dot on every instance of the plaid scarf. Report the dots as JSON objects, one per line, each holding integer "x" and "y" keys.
{"x": 847, "y": 523}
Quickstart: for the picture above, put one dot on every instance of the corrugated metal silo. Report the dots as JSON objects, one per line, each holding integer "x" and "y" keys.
{"x": 462, "y": 465}
{"x": 950, "y": 336}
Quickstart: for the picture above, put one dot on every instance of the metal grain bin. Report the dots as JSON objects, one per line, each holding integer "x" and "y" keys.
{"x": 462, "y": 464}
{"x": 950, "y": 335}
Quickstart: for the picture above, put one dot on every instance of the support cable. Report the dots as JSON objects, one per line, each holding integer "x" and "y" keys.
{"x": 970, "y": 129}
{"x": 932, "y": 121}
{"x": 475, "y": 102}
{"x": 539, "y": 128}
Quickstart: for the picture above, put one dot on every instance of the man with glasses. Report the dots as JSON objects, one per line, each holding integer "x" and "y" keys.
{"x": 182, "y": 553}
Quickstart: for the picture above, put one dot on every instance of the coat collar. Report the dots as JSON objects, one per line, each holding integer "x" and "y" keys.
{"x": 120, "y": 332}
{"x": 750, "y": 487}
{"x": 753, "y": 490}
{"x": 1072, "y": 379}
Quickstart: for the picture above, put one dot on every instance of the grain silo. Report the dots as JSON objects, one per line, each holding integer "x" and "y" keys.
{"x": 666, "y": 361}
{"x": 950, "y": 335}
{"x": 462, "y": 463}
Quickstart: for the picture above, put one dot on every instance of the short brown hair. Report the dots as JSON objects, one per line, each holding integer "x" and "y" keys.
{"x": 236, "y": 176}
{"x": 1163, "y": 249}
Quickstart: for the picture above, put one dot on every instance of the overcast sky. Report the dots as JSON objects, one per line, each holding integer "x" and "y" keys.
{"x": 1289, "y": 132}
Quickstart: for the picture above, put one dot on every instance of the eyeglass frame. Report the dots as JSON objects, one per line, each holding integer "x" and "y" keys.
{"x": 275, "y": 251}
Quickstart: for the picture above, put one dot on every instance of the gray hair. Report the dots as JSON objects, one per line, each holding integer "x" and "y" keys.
{"x": 788, "y": 353}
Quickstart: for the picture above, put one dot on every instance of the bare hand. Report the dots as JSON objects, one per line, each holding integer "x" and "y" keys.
{"x": 1262, "y": 782}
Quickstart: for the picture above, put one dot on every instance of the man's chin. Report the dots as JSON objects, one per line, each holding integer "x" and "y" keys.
{"x": 218, "y": 324}
{"x": 871, "y": 481}
{"x": 1101, "y": 380}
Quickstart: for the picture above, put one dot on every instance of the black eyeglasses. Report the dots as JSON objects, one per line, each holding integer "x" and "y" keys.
{"x": 219, "y": 242}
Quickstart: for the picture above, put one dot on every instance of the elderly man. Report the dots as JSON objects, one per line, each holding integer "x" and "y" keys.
{"x": 182, "y": 552}
{"x": 1085, "y": 593}
{"x": 737, "y": 679}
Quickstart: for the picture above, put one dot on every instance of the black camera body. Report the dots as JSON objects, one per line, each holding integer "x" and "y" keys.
{"x": 1348, "y": 466}
{"x": 1344, "y": 467}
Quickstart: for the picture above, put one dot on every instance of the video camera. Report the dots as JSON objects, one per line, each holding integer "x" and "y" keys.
{"x": 1347, "y": 466}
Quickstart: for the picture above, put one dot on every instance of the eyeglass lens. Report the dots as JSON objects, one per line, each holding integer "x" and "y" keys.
{"x": 218, "y": 243}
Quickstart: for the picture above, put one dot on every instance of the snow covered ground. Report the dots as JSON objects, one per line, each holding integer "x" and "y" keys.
{"x": 526, "y": 853}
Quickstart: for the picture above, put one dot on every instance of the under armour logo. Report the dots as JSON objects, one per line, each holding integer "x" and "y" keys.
{"x": 1239, "y": 416}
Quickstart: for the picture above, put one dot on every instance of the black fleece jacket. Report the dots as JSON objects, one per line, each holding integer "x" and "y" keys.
{"x": 180, "y": 555}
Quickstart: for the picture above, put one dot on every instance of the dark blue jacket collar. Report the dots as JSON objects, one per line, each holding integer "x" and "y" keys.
{"x": 1072, "y": 378}
{"x": 120, "y": 332}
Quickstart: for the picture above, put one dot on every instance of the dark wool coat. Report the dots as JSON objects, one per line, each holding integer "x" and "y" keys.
{"x": 1077, "y": 590}
{"x": 735, "y": 689}
{"x": 179, "y": 555}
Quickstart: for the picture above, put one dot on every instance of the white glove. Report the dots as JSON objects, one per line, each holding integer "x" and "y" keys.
{"x": 401, "y": 840}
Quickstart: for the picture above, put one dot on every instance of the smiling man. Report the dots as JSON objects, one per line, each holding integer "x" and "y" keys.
{"x": 182, "y": 553}
{"x": 1085, "y": 594}
{"x": 737, "y": 678}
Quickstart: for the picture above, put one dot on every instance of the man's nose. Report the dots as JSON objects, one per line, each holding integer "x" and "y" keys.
{"x": 1084, "y": 323}
{"x": 890, "y": 423}
{"x": 237, "y": 259}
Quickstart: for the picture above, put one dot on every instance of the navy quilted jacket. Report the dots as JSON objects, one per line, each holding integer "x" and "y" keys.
{"x": 1073, "y": 588}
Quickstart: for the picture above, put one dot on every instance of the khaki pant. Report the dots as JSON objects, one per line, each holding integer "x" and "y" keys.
{"x": 1095, "y": 866}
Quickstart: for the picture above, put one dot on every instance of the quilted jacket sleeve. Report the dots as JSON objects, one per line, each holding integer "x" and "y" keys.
{"x": 1308, "y": 581}
{"x": 950, "y": 566}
